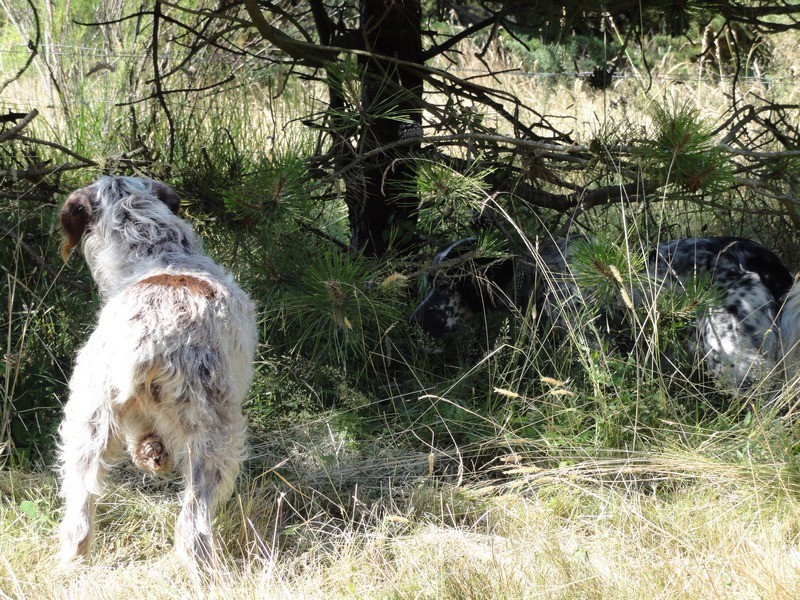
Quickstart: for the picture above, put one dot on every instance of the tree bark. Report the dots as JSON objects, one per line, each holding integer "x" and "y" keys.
{"x": 382, "y": 201}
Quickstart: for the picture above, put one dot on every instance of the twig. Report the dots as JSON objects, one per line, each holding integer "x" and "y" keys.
{"x": 157, "y": 81}
{"x": 87, "y": 162}
{"x": 33, "y": 46}
{"x": 15, "y": 130}
{"x": 40, "y": 260}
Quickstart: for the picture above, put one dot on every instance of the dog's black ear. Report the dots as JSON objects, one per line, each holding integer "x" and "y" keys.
{"x": 167, "y": 195}
{"x": 455, "y": 250}
{"x": 75, "y": 216}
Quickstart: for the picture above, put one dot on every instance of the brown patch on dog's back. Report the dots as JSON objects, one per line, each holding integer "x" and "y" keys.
{"x": 193, "y": 285}
{"x": 74, "y": 218}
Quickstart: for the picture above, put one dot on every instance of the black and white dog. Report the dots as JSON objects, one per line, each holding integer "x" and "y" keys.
{"x": 739, "y": 340}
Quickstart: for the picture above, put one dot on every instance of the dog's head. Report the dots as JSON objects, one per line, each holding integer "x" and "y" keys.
{"x": 460, "y": 286}
{"x": 85, "y": 207}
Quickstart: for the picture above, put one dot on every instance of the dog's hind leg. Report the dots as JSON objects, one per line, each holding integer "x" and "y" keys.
{"x": 210, "y": 468}
{"x": 86, "y": 449}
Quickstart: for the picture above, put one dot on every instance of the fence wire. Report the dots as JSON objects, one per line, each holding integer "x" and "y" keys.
{"x": 83, "y": 59}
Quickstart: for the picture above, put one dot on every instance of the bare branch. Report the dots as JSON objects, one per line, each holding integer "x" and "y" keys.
{"x": 15, "y": 131}
{"x": 157, "y": 80}
{"x": 33, "y": 46}
{"x": 307, "y": 53}
{"x": 462, "y": 35}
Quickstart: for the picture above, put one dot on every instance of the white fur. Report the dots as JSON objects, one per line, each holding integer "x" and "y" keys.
{"x": 168, "y": 361}
{"x": 789, "y": 325}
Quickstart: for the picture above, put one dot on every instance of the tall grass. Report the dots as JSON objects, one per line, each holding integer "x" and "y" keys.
{"x": 520, "y": 459}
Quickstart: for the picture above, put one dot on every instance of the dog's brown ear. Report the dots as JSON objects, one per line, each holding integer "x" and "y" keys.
{"x": 167, "y": 195}
{"x": 75, "y": 217}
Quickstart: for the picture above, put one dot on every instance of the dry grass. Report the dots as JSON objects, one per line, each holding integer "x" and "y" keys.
{"x": 330, "y": 522}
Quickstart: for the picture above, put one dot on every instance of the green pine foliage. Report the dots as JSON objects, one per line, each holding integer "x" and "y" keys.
{"x": 680, "y": 151}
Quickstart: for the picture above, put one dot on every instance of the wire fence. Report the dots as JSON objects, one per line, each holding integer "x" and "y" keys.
{"x": 82, "y": 59}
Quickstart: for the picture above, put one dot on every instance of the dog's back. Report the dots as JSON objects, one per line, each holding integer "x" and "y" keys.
{"x": 189, "y": 350}
{"x": 738, "y": 339}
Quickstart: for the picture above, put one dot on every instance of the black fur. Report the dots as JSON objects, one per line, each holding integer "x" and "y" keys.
{"x": 738, "y": 340}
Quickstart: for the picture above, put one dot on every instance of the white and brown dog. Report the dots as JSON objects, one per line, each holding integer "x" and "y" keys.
{"x": 164, "y": 373}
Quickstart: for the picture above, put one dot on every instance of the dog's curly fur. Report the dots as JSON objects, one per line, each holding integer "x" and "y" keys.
{"x": 740, "y": 341}
{"x": 164, "y": 373}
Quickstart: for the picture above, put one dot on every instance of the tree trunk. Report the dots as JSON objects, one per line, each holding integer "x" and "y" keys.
{"x": 382, "y": 200}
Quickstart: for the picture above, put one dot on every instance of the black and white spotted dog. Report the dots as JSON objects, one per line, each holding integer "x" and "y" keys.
{"x": 462, "y": 286}
{"x": 739, "y": 340}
